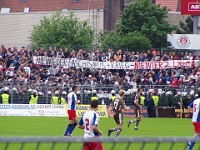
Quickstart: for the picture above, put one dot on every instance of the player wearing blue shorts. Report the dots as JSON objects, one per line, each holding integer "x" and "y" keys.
{"x": 73, "y": 120}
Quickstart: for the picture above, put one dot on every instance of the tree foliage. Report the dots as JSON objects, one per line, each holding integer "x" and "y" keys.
{"x": 186, "y": 27}
{"x": 145, "y": 23}
{"x": 60, "y": 30}
{"x": 133, "y": 41}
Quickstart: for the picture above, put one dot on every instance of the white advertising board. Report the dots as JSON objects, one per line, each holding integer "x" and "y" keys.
{"x": 184, "y": 41}
{"x": 32, "y": 110}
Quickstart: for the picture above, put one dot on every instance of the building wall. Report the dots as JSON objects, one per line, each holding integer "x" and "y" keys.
{"x": 113, "y": 9}
{"x": 15, "y": 28}
{"x": 174, "y": 18}
{"x": 196, "y": 25}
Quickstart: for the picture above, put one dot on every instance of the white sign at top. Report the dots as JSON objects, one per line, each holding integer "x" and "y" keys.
{"x": 184, "y": 41}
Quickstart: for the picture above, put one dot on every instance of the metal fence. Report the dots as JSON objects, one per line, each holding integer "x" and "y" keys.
{"x": 168, "y": 96}
{"x": 127, "y": 143}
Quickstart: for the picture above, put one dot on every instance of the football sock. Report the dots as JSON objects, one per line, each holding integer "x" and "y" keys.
{"x": 68, "y": 129}
{"x": 114, "y": 129}
{"x": 72, "y": 128}
{"x": 118, "y": 132}
{"x": 191, "y": 145}
{"x": 133, "y": 121}
{"x": 137, "y": 123}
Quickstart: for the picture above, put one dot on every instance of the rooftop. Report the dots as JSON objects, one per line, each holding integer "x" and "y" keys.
{"x": 51, "y": 5}
{"x": 173, "y": 5}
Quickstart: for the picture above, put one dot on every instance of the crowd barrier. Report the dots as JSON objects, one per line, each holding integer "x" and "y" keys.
{"x": 104, "y": 111}
{"x": 46, "y": 110}
{"x": 167, "y": 94}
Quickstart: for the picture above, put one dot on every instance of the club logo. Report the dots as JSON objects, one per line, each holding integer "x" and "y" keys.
{"x": 193, "y": 6}
{"x": 183, "y": 41}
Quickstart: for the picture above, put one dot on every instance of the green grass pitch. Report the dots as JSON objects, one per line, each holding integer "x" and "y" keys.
{"x": 55, "y": 126}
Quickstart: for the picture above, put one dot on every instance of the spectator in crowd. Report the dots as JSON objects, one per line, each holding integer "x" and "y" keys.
{"x": 33, "y": 98}
{"x": 17, "y": 69}
{"x": 150, "y": 105}
{"x": 63, "y": 98}
{"x": 94, "y": 95}
{"x": 5, "y": 97}
{"x": 55, "y": 97}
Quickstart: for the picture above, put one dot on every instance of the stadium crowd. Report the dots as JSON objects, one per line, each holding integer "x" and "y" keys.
{"x": 19, "y": 71}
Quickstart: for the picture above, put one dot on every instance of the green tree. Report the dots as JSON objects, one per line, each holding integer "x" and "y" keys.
{"x": 147, "y": 19}
{"x": 133, "y": 41}
{"x": 186, "y": 27}
{"x": 60, "y": 30}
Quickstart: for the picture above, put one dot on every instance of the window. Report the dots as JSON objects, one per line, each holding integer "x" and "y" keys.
{"x": 5, "y": 10}
{"x": 65, "y": 10}
{"x": 24, "y": 1}
{"x": 77, "y": 0}
{"x": 26, "y": 9}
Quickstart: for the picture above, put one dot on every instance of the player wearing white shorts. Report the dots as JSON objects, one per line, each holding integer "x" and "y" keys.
{"x": 89, "y": 122}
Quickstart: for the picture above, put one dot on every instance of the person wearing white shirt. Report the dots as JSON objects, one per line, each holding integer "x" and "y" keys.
{"x": 133, "y": 83}
{"x": 89, "y": 122}
{"x": 27, "y": 69}
{"x": 73, "y": 120}
{"x": 195, "y": 108}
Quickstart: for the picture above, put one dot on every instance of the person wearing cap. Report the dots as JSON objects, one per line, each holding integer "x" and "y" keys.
{"x": 62, "y": 99}
{"x": 94, "y": 96}
{"x": 55, "y": 98}
{"x": 176, "y": 100}
{"x": 16, "y": 96}
{"x": 41, "y": 98}
{"x": 155, "y": 99}
{"x": 5, "y": 97}
{"x": 49, "y": 95}
{"x": 33, "y": 98}
{"x": 25, "y": 96}
{"x": 113, "y": 95}
{"x": 149, "y": 102}
{"x": 190, "y": 98}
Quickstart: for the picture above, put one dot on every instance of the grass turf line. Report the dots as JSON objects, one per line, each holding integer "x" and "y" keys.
{"x": 55, "y": 126}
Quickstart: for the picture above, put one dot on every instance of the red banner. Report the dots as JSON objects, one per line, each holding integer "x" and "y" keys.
{"x": 190, "y": 7}
{"x": 166, "y": 64}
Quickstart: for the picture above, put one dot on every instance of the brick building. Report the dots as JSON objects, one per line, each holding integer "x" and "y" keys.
{"x": 112, "y": 8}
{"x": 101, "y": 15}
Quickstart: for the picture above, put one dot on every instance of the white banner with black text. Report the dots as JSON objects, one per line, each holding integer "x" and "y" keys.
{"x": 75, "y": 63}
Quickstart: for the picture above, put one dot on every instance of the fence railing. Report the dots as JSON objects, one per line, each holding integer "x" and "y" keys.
{"x": 140, "y": 143}
{"x": 168, "y": 96}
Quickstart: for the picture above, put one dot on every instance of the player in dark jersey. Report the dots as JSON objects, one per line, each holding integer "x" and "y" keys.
{"x": 118, "y": 105}
{"x": 137, "y": 107}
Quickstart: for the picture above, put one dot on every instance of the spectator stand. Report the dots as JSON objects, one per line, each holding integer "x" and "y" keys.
{"x": 21, "y": 75}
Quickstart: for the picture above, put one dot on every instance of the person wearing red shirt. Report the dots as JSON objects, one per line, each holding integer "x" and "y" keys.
{"x": 175, "y": 82}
